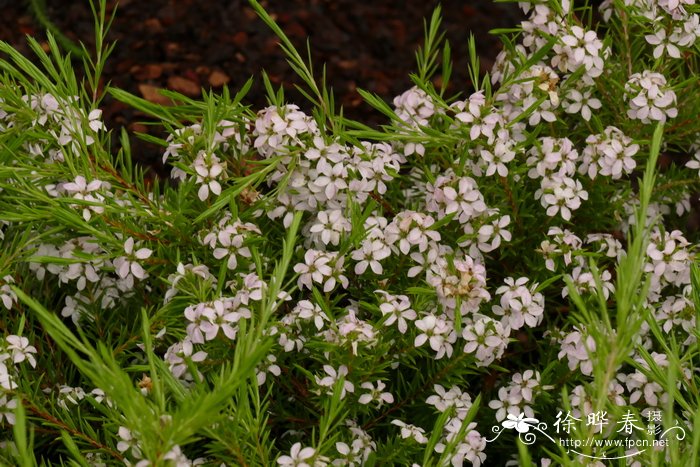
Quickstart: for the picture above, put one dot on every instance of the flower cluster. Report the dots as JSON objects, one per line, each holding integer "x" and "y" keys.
{"x": 308, "y": 291}
{"x": 649, "y": 97}
{"x": 519, "y": 305}
{"x": 518, "y": 395}
{"x": 554, "y": 162}
{"x": 610, "y": 153}
{"x": 14, "y": 352}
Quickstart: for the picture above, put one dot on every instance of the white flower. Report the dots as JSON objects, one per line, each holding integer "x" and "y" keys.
{"x": 640, "y": 386}
{"x": 486, "y": 339}
{"x": 409, "y": 229}
{"x": 561, "y": 194}
{"x": 230, "y": 245}
{"x": 424, "y": 260}
{"x": 411, "y": 431}
{"x": 584, "y": 282}
{"x": 508, "y": 403}
{"x": 322, "y": 268}
{"x": 362, "y": 443}
{"x": 462, "y": 278}
{"x": 513, "y": 399}
{"x": 332, "y": 377}
{"x": 676, "y": 312}
{"x": 581, "y": 102}
{"x": 398, "y": 309}
{"x": 348, "y": 455}
{"x": 179, "y": 354}
{"x": 669, "y": 258}
{"x": 375, "y": 394}
{"x": 276, "y": 128}
{"x": 694, "y": 163}
{"x": 498, "y": 157}
{"x": 75, "y": 307}
{"x": 675, "y": 7}
{"x": 306, "y": 310}
{"x": 330, "y": 225}
{"x": 373, "y": 171}
{"x": 209, "y": 169}
{"x": 414, "y": 107}
{"x": 552, "y": 156}
{"x": 297, "y": 457}
{"x": 20, "y": 350}
{"x": 251, "y": 288}
{"x": 609, "y": 245}
{"x": 470, "y": 448}
{"x": 7, "y": 409}
{"x": 370, "y": 254}
{"x": 94, "y": 121}
{"x": 332, "y": 178}
{"x": 662, "y": 44}
{"x": 458, "y": 196}
{"x": 479, "y": 119}
{"x": 352, "y": 331}
{"x": 82, "y": 190}
{"x": 177, "y": 458}
{"x": 222, "y": 314}
{"x": 437, "y": 332}
{"x": 442, "y": 400}
{"x": 46, "y": 106}
{"x": 565, "y": 244}
{"x": 577, "y": 347}
{"x": 524, "y": 383}
{"x": 490, "y": 235}
{"x": 519, "y": 305}
{"x": 650, "y": 98}
{"x": 582, "y": 48}
{"x": 99, "y": 396}
{"x": 193, "y": 313}
{"x": 610, "y": 152}
{"x": 129, "y": 264}
{"x": 7, "y": 295}
{"x": 6, "y": 380}
{"x": 375, "y": 225}
{"x": 178, "y": 138}
{"x": 128, "y": 441}
{"x": 228, "y": 241}
{"x": 268, "y": 365}
{"x": 690, "y": 32}
{"x": 542, "y": 112}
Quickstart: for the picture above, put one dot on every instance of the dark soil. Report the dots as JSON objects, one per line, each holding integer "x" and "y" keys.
{"x": 184, "y": 45}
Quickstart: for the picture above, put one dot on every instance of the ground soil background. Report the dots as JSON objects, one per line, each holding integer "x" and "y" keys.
{"x": 186, "y": 45}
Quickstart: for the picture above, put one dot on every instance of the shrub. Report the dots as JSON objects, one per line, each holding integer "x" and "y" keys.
{"x": 307, "y": 290}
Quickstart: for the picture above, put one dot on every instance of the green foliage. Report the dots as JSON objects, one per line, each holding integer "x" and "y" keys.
{"x": 310, "y": 289}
